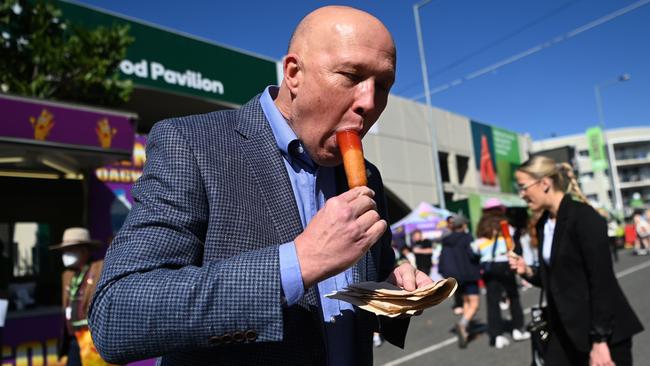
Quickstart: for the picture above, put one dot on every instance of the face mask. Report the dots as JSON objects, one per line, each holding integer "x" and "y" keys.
{"x": 70, "y": 259}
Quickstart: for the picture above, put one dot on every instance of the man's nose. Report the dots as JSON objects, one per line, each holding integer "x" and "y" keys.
{"x": 364, "y": 97}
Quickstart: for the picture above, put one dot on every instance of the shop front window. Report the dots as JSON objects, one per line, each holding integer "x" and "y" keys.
{"x": 26, "y": 254}
{"x": 25, "y": 251}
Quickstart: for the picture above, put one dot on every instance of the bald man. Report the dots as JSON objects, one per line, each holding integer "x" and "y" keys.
{"x": 243, "y": 220}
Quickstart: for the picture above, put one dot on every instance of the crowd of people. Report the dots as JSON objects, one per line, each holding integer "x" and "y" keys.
{"x": 562, "y": 238}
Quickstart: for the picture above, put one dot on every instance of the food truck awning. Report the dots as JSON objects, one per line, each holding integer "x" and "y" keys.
{"x": 47, "y": 139}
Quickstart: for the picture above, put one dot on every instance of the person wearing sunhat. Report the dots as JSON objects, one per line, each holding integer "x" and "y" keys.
{"x": 79, "y": 280}
{"x": 495, "y": 205}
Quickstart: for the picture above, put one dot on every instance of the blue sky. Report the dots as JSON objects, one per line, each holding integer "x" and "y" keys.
{"x": 550, "y": 92}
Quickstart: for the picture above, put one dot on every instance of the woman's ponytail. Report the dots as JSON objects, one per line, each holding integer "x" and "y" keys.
{"x": 572, "y": 186}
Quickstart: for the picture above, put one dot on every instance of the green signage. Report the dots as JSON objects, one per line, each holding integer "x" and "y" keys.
{"x": 596, "y": 144}
{"x": 168, "y": 61}
{"x": 506, "y": 149}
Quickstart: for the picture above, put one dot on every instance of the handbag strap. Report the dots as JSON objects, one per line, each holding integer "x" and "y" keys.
{"x": 494, "y": 246}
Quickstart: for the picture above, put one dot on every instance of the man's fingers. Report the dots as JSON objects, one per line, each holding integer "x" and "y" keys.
{"x": 374, "y": 232}
{"x": 407, "y": 275}
{"x": 366, "y": 220}
{"x": 363, "y": 204}
{"x": 354, "y": 193}
{"x": 422, "y": 279}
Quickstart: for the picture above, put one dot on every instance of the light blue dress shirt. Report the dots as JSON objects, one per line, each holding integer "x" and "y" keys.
{"x": 312, "y": 186}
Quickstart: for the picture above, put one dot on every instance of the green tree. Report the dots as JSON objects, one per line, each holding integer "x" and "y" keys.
{"x": 43, "y": 55}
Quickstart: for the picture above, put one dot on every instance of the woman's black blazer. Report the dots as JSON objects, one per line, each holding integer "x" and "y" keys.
{"x": 580, "y": 283}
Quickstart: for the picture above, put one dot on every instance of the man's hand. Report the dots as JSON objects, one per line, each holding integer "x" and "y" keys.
{"x": 408, "y": 277}
{"x": 338, "y": 235}
{"x": 600, "y": 355}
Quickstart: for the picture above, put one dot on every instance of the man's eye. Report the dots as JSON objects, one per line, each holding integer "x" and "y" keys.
{"x": 352, "y": 77}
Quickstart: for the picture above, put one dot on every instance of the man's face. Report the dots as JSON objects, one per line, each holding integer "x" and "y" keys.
{"x": 75, "y": 257}
{"x": 344, "y": 84}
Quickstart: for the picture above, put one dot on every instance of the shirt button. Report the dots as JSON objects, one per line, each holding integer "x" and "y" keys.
{"x": 300, "y": 149}
{"x": 333, "y": 320}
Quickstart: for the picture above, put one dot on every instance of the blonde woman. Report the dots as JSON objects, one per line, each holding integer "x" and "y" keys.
{"x": 590, "y": 320}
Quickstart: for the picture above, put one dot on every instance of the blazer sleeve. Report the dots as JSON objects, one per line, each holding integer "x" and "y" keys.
{"x": 591, "y": 231}
{"x": 155, "y": 294}
{"x": 535, "y": 279}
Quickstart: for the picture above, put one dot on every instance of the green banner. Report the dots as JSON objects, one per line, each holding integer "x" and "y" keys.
{"x": 506, "y": 150}
{"x": 170, "y": 61}
{"x": 596, "y": 144}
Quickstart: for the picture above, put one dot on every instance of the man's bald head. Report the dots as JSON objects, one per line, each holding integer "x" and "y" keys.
{"x": 337, "y": 76}
{"x": 330, "y": 21}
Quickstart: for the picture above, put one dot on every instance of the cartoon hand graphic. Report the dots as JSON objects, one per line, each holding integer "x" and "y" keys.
{"x": 42, "y": 125}
{"x": 105, "y": 133}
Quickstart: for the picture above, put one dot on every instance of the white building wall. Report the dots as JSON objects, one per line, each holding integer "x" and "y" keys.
{"x": 401, "y": 148}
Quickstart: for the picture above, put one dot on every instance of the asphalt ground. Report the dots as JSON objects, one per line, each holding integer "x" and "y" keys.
{"x": 430, "y": 340}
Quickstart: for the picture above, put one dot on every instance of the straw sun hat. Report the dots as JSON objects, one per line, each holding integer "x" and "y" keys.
{"x": 76, "y": 236}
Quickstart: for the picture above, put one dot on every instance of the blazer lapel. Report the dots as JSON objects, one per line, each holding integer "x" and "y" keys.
{"x": 259, "y": 147}
{"x": 267, "y": 167}
{"x": 560, "y": 226}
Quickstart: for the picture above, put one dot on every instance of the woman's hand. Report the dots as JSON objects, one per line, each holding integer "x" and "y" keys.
{"x": 518, "y": 264}
{"x": 600, "y": 355}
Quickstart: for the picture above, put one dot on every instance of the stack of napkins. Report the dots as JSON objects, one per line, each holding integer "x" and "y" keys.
{"x": 383, "y": 298}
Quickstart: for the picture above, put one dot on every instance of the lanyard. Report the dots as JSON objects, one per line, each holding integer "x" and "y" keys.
{"x": 75, "y": 283}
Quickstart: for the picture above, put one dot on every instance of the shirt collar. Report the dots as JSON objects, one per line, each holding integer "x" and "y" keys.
{"x": 288, "y": 143}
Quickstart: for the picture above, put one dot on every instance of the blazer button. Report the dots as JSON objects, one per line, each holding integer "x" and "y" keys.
{"x": 214, "y": 340}
{"x": 226, "y": 338}
{"x": 250, "y": 335}
{"x": 238, "y": 337}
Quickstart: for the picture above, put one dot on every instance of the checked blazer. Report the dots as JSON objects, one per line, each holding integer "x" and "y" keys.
{"x": 193, "y": 276}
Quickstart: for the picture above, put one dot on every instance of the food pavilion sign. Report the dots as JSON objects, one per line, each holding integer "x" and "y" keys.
{"x": 155, "y": 71}
{"x": 173, "y": 62}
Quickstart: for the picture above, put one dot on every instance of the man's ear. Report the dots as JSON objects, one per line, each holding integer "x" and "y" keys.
{"x": 292, "y": 71}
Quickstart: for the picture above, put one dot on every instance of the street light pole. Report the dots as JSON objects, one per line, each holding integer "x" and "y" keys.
{"x": 425, "y": 79}
{"x": 599, "y": 102}
{"x": 617, "y": 200}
